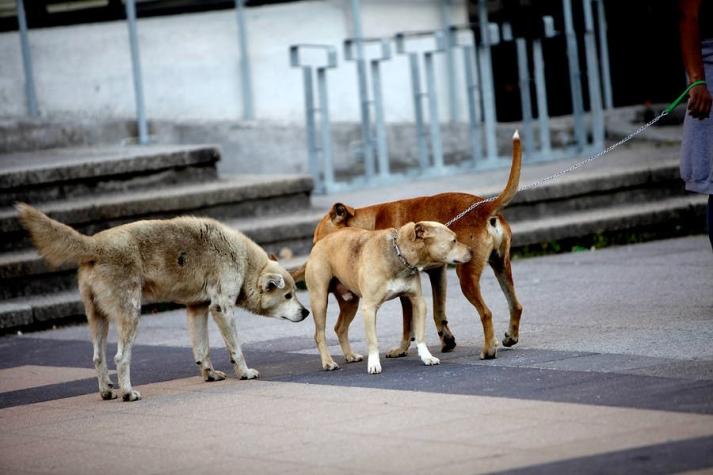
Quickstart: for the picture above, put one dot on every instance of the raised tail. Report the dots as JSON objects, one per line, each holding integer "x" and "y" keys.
{"x": 513, "y": 183}
{"x": 56, "y": 242}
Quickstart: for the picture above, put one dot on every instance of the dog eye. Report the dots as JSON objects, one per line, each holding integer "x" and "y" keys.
{"x": 288, "y": 296}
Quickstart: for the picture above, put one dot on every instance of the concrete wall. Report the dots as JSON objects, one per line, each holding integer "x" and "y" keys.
{"x": 190, "y": 63}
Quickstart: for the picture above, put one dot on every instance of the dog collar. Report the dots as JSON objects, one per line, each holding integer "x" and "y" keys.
{"x": 401, "y": 257}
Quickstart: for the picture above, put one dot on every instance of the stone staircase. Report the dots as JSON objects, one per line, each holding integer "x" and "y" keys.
{"x": 92, "y": 188}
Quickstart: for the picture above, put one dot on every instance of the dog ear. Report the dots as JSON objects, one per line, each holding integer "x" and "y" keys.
{"x": 270, "y": 282}
{"x": 422, "y": 230}
{"x": 272, "y": 257}
{"x": 340, "y": 213}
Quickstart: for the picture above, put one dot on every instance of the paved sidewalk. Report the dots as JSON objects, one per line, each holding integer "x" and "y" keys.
{"x": 613, "y": 373}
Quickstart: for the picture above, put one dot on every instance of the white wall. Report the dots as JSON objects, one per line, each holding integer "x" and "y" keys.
{"x": 190, "y": 63}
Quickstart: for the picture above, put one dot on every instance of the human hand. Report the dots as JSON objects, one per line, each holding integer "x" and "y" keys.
{"x": 699, "y": 102}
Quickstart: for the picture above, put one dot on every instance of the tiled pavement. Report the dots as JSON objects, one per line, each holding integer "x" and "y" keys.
{"x": 613, "y": 374}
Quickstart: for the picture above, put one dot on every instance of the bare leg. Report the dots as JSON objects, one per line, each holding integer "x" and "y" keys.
{"x": 99, "y": 328}
{"x": 503, "y": 271}
{"x": 369, "y": 310}
{"x": 224, "y": 317}
{"x": 419, "y": 314}
{"x": 127, "y": 327}
{"x": 469, "y": 275}
{"x": 198, "y": 324}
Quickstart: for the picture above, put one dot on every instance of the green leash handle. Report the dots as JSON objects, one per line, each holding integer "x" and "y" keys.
{"x": 680, "y": 98}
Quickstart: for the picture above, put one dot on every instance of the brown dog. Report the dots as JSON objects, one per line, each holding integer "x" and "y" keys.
{"x": 484, "y": 229}
{"x": 373, "y": 267}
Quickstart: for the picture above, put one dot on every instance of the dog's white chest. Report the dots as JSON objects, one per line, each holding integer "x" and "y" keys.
{"x": 398, "y": 287}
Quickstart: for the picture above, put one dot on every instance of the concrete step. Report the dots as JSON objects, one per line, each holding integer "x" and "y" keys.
{"x": 57, "y": 174}
{"x": 664, "y": 218}
{"x": 231, "y": 197}
{"x": 24, "y": 272}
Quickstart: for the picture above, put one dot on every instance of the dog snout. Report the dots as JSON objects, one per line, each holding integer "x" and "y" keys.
{"x": 305, "y": 313}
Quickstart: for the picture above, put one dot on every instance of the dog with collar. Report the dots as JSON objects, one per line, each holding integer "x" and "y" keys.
{"x": 485, "y": 230}
{"x": 197, "y": 262}
{"x": 366, "y": 268}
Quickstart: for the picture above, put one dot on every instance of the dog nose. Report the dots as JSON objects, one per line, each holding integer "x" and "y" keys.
{"x": 305, "y": 313}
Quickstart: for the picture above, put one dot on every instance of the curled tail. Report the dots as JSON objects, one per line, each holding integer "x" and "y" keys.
{"x": 513, "y": 183}
{"x": 56, "y": 242}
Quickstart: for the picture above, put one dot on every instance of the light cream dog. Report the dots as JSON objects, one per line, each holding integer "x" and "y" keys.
{"x": 197, "y": 262}
{"x": 376, "y": 266}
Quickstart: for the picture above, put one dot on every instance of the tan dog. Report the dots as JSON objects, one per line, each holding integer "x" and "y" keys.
{"x": 484, "y": 230}
{"x": 197, "y": 262}
{"x": 376, "y": 266}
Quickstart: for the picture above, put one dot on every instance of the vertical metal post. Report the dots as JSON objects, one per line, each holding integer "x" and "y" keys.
{"x": 363, "y": 92}
{"x": 486, "y": 75}
{"x": 136, "y": 72}
{"x": 574, "y": 76}
{"x": 328, "y": 165}
{"x": 382, "y": 151}
{"x": 604, "y": 55}
{"x": 595, "y": 91}
{"x": 313, "y": 160}
{"x": 525, "y": 99}
{"x": 472, "y": 92}
{"x": 450, "y": 61}
{"x": 245, "y": 76}
{"x": 436, "y": 146}
{"x": 543, "y": 116}
{"x": 30, "y": 93}
{"x": 418, "y": 110}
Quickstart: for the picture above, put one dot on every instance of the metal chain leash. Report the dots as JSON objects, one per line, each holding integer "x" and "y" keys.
{"x": 572, "y": 168}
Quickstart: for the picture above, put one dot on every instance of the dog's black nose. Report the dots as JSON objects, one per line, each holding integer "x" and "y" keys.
{"x": 305, "y": 313}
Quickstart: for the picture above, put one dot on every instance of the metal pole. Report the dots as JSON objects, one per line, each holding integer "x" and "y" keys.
{"x": 574, "y": 76}
{"x": 325, "y": 129}
{"x": 136, "y": 71}
{"x": 604, "y": 55}
{"x": 363, "y": 92}
{"x": 450, "y": 61}
{"x": 472, "y": 92}
{"x": 382, "y": 151}
{"x": 486, "y": 75}
{"x": 245, "y": 76}
{"x": 313, "y": 160}
{"x": 525, "y": 98}
{"x": 543, "y": 116}
{"x": 595, "y": 94}
{"x": 30, "y": 93}
{"x": 436, "y": 147}
{"x": 418, "y": 111}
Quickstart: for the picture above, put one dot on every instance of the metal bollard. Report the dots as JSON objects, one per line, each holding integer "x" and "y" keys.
{"x": 604, "y": 54}
{"x": 245, "y": 77}
{"x": 435, "y": 127}
{"x": 323, "y": 175}
{"x": 489, "y": 35}
{"x": 350, "y": 50}
{"x": 595, "y": 94}
{"x": 136, "y": 72}
{"x": 574, "y": 77}
{"x": 543, "y": 117}
{"x": 30, "y": 92}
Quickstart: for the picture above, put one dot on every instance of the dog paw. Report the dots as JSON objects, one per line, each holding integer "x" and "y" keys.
{"x": 374, "y": 365}
{"x": 397, "y": 352}
{"x": 213, "y": 375}
{"x": 330, "y": 366}
{"x": 353, "y": 358}
{"x": 448, "y": 343}
{"x": 431, "y": 361}
{"x": 488, "y": 354}
{"x": 250, "y": 374}
{"x": 131, "y": 396}
{"x": 107, "y": 395}
{"x": 509, "y": 341}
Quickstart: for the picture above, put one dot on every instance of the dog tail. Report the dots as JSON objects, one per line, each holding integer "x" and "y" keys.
{"x": 513, "y": 180}
{"x": 299, "y": 273}
{"x": 56, "y": 242}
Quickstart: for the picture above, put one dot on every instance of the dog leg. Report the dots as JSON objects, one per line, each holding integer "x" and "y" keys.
{"x": 373, "y": 364}
{"x": 503, "y": 272}
{"x": 469, "y": 275}
{"x": 419, "y": 314}
{"x": 402, "y": 349}
{"x": 127, "y": 326}
{"x": 223, "y": 314}
{"x": 318, "y": 300}
{"x": 198, "y": 324}
{"x": 99, "y": 328}
{"x": 347, "y": 311}
{"x": 439, "y": 284}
